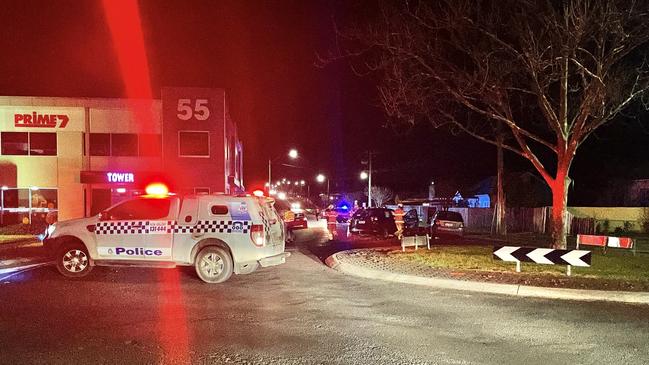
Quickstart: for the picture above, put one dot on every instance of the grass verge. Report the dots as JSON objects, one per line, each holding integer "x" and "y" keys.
{"x": 614, "y": 265}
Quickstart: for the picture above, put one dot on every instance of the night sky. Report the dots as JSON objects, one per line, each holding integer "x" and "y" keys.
{"x": 263, "y": 53}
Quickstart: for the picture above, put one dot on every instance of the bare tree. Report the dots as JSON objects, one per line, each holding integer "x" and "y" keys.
{"x": 381, "y": 195}
{"x": 536, "y": 77}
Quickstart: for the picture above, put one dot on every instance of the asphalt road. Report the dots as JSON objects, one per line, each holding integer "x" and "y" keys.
{"x": 299, "y": 313}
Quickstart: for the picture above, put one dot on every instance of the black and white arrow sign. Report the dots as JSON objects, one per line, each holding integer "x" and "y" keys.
{"x": 547, "y": 256}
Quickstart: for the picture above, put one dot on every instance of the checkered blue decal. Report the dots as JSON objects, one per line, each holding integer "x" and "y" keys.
{"x": 214, "y": 226}
{"x": 154, "y": 227}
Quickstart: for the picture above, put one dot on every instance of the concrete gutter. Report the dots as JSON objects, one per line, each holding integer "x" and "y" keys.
{"x": 486, "y": 287}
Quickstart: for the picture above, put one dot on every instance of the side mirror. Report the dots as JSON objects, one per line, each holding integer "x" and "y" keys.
{"x": 103, "y": 216}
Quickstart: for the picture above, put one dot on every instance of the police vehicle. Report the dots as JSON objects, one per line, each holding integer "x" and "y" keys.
{"x": 218, "y": 234}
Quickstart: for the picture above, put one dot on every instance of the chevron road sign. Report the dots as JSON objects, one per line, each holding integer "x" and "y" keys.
{"x": 547, "y": 256}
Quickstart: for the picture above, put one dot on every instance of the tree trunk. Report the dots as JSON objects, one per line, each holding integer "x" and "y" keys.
{"x": 501, "y": 224}
{"x": 560, "y": 209}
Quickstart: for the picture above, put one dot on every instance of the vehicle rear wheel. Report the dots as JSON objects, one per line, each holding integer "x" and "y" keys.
{"x": 73, "y": 260}
{"x": 214, "y": 265}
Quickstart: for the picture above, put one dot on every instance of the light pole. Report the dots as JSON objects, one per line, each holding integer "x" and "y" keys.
{"x": 368, "y": 176}
{"x": 321, "y": 178}
{"x": 292, "y": 153}
{"x": 2, "y": 203}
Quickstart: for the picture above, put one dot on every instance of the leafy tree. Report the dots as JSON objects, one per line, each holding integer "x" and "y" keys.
{"x": 535, "y": 77}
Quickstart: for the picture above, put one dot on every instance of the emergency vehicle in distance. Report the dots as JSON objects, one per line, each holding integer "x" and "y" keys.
{"x": 218, "y": 234}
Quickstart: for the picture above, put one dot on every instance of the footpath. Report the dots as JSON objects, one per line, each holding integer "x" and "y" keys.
{"x": 381, "y": 264}
{"x": 21, "y": 253}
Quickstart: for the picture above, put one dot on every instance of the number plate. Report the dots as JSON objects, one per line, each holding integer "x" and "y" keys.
{"x": 361, "y": 222}
{"x": 448, "y": 224}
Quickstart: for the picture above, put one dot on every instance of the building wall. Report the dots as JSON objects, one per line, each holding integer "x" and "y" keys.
{"x": 85, "y": 116}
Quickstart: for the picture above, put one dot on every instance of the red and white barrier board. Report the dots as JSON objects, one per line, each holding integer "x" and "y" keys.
{"x": 603, "y": 241}
{"x": 620, "y": 242}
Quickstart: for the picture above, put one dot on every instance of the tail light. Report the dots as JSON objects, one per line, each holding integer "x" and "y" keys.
{"x": 258, "y": 235}
{"x": 438, "y": 223}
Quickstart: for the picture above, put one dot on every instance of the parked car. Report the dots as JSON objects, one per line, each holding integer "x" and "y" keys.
{"x": 373, "y": 221}
{"x": 293, "y": 218}
{"x": 217, "y": 234}
{"x": 445, "y": 222}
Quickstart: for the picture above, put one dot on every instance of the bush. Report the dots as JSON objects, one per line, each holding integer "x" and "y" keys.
{"x": 602, "y": 227}
{"x": 644, "y": 220}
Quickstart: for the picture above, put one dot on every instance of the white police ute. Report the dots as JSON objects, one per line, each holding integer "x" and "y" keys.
{"x": 218, "y": 234}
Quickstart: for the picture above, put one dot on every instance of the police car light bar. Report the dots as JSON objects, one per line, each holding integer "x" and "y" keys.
{"x": 157, "y": 189}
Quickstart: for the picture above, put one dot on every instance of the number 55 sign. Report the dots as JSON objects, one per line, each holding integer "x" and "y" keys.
{"x": 197, "y": 109}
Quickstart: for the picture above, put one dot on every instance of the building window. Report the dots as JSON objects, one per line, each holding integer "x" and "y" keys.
{"x": 99, "y": 144}
{"x": 16, "y": 207}
{"x": 42, "y": 144}
{"x": 150, "y": 145}
{"x": 193, "y": 144}
{"x": 123, "y": 144}
{"x": 15, "y": 143}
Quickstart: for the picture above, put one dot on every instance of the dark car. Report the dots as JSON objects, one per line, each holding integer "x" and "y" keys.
{"x": 373, "y": 221}
{"x": 445, "y": 222}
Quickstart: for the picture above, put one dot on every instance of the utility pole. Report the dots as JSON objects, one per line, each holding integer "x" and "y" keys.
{"x": 369, "y": 181}
{"x": 270, "y": 182}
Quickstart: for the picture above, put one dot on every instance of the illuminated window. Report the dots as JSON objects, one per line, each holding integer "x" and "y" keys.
{"x": 42, "y": 144}
{"x": 15, "y": 143}
{"x": 99, "y": 144}
{"x": 123, "y": 144}
{"x": 193, "y": 144}
{"x": 150, "y": 145}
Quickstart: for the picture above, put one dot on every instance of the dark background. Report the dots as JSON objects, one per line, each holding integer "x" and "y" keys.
{"x": 263, "y": 53}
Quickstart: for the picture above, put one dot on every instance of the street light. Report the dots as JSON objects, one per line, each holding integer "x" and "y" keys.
{"x": 368, "y": 176}
{"x": 292, "y": 154}
{"x": 321, "y": 178}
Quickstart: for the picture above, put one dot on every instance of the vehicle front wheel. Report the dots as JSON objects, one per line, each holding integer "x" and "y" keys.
{"x": 214, "y": 265}
{"x": 73, "y": 260}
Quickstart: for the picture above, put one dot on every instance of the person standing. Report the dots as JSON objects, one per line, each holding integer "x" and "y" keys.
{"x": 399, "y": 220}
{"x": 332, "y": 222}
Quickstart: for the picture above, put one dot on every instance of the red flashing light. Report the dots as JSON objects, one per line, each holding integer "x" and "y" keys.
{"x": 158, "y": 189}
{"x": 259, "y": 193}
